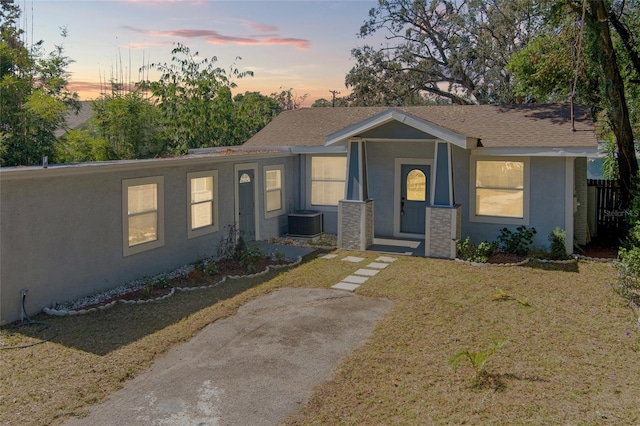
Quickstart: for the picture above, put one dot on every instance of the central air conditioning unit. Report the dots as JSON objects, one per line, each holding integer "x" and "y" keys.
{"x": 305, "y": 223}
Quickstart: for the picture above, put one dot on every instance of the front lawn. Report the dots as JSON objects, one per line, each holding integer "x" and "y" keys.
{"x": 571, "y": 355}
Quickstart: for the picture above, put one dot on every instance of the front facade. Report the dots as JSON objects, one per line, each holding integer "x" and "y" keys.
{"x": 428, "y": 174}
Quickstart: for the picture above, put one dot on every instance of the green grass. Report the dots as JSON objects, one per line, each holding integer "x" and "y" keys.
{"x": 569, "y": 359}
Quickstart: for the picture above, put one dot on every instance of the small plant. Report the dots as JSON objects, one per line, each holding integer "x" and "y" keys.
{"x": 501, "y": 295}
{"x": 251, "y": 259}
{"x": 147, "y": 289}
{"x": 162, "y": 282}
{"x": 518, "y": 242}
{"x": 232, "y": 245}
{"x": 206, "y": 268}
{"x": 558, "y": 249}
{"x": 279, "y": 257}
{"x": 478, "y": 361}
{"x": 472, "y": 253}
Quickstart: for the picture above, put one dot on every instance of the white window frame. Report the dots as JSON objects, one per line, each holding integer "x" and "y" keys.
{"x": 215, "y": 226}
{"x": 279, "y": 212}
{"x": 159, "y": 241}
{"x": 501, "y": 220}
{"x": 324, "y": 207}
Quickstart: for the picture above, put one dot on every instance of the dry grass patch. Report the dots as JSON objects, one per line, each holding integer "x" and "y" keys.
{"x": 568, "y": 359}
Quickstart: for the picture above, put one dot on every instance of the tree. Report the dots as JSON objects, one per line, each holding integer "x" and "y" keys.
{"x": 34, "y": 99}
{"x": 195, "y": 100}
{"x": 588, "y": 51}
{"x": 287, "y": 99}
{"x": 81, "y": 146}
{"x": 130, "y": 124}
{"x": 441, "y": 49}
{"x": 253, "y": 111}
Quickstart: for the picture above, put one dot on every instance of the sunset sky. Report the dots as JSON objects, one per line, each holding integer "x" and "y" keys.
{"x": 304, "y": 45}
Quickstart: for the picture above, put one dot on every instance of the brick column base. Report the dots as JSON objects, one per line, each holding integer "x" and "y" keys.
{"x": 355, "y": 224}
{"x": 443, "y": 229}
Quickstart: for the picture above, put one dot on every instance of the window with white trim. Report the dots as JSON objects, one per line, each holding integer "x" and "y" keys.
{"x": 143, "y": 214}
{"x": 328, "y": 178}
{"x": 500, "y": 190}
{"x": 273, "y": 190}
{"x": 203, "y": 203}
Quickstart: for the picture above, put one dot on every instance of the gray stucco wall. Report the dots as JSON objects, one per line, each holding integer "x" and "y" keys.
{"x": 381, "y": 160}
{"x": 547, "y": 198}
{"x": 61, "y": 228}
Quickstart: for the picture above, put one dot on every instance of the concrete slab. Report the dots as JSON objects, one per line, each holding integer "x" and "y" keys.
{"x": 346, "y": 286}
{"x": 353, "y": 259}
{"x": 377, "y": 265}
{"x": 386, "y": 259}
{"x": 355, "y": 279}
{"x": 366, "y": 272}
{"x": 290, "y": 252}
{"x": 253, "y": 368}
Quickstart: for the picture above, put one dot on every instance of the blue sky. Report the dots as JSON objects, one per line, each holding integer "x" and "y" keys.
{"x": 304, "y": 45}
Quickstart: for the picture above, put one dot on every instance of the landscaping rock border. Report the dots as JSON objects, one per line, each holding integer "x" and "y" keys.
{"x": 182, "y": 271}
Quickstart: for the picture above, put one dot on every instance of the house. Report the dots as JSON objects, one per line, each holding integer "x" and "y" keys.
{"x": 439, "y": 173}
{"x": 429, "y": 174}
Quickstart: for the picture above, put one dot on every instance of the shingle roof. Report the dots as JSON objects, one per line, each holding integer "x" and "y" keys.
{"x": 498, "y": 126}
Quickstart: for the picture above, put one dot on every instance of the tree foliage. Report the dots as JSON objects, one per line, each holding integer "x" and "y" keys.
{"x": 194, "y": 97}
{"x": 442, "y": 49}
{"x": 34, "y": 99}
{"x": 130, "y": 124}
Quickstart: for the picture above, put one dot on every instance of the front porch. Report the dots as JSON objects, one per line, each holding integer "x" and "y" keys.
{"x": 399, "y": 187}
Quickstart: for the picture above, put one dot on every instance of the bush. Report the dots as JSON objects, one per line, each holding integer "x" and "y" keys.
{"x": 518, "y": 242}
{"x": 558, "y": 249}
{"x": 472, "y": 253}
{"x": 628, "y": 265}
{"x": 251, "y": 258}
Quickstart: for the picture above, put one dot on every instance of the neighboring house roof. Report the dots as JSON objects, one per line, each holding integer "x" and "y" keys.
{"x": 497, "y": 126}
{"x": 73, "y": 120}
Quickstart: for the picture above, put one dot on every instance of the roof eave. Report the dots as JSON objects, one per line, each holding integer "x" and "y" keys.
{"x": 342, "y": 136}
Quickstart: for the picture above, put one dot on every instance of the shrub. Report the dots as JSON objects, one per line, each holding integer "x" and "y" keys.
{"x": 518, "y": 242}
{"x": 628, "y": 265}
{"x": 251, "y": 258}
{"x": 472, "y": 253}
{"x": 232, "y": 245}
{"x": 558, "y": 249}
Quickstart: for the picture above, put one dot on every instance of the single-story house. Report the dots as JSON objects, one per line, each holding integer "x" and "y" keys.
{"x": 431, "y": 174}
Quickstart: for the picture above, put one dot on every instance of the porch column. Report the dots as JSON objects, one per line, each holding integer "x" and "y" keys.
{"x": 355, "y": 212}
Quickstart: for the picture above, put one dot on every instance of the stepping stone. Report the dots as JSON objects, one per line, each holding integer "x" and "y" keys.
{"x": 328, "y": 256}
{"x": 355, "y": 279}
{"x": 366, "y": 272}
{"x": 346, "y": 286}
{"x": 386, "y": 259}
{"x": 353, "y": 259}
{"x": 377, "y": 265}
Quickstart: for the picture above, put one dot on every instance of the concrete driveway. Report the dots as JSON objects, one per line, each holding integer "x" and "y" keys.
{"x": 253, "y": 368}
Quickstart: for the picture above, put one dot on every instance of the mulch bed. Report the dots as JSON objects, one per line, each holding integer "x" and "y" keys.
{"x": 139, "y": 294}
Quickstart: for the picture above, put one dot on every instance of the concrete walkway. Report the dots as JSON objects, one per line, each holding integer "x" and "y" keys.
{"x": 253, "y": 368}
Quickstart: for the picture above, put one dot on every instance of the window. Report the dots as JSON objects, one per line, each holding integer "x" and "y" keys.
{"x": 143, "y": 214}
{"x": 273, "y": 191}
{"x": 416, "y": 186}
{"x": 328, "y": 176}
{"x": 203, "y": 203}
{"x": 500, "y": 190}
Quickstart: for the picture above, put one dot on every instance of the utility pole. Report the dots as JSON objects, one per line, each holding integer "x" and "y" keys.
{"x": 333, "y": 99}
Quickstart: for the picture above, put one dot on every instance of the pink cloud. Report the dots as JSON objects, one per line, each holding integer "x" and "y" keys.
{"x": 214, "y": 37}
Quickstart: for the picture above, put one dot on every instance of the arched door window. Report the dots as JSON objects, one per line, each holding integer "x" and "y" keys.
{"x": 416, "y": 186}
{"x": 245, "y": 178}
